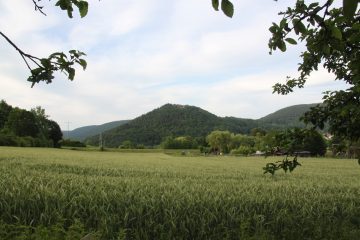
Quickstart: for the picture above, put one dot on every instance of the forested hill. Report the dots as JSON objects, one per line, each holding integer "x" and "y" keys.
{"x": 83, "y": 132}
{"x": 182, "y": 120}
{"x": 285, "y": 117}
{"x": 172, "y": 120}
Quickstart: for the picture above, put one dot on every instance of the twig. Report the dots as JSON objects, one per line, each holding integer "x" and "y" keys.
{"x": 21, "y": 52}
{"x": 38, "y": 8}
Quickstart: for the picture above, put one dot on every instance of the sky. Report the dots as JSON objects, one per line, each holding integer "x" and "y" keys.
{"x": 146, "y": 53}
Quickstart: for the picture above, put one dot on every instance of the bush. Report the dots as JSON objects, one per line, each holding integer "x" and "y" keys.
{"x": 127, "y": 144}
{"x": 26, "y": 141}
{"x": 15, "y": 141}
{"x": 243, "y": 150}
{"x": 184, "y": 142}
{"x": 8, "y": 140}
{"x": 71, "y": 143}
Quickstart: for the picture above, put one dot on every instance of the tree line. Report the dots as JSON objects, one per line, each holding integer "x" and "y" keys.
{"x": 224, "y": 142}
{"x": 23, "y": 128}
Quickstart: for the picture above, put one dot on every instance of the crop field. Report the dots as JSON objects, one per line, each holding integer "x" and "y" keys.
{"x": 67, "y": 194}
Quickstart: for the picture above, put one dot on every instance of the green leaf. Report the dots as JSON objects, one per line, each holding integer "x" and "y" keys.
{"x": 227, "y": 7}
{"x": 273, "y": 29}
{"x": 71, "y": 72}
{"x": 36, "y": 71}
{"x": 291, "y": 41}
{"x": 326, "y": 49}
{"x": 83, "y": 63}
{"x": 312, "y": 5}
{"x": 349, "y": 8}
{"x": 282, "y": 46}
{"x": 355, "y": 38}
{"x": 63, "y": 4}
{"x": 283, "y": 23}
{"x": 83, "y": 8}
{"x": 356, "y": 26}
{"x": 69, "y": 12}
{"x": 336, "y": 33}
{"x": 57, "y": 55}
{"x": 299, "y": 27}
{"x": 318, "y": 19}
{"x": 45, "y": 62}
{"x": 215, "y": 4}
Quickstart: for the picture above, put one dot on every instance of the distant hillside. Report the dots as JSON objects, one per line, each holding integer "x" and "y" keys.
{"x": 172, "y": 120}
{"x": 285, "y": 117}
{"x": 183, "y": 120}
{"x": 83, "y": 132}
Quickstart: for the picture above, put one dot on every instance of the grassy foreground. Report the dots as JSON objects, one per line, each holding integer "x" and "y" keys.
{"x": 64, "y": 194}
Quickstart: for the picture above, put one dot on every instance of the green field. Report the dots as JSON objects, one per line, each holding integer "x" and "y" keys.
{"x": 66, "y": 194}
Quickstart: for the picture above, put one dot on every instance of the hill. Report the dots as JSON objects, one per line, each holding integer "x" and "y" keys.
{"x": 83, "y": 132}
{"x": 172, "y": 120}
{"x": 285, "y": 117}
{"x": 182, "y": 120}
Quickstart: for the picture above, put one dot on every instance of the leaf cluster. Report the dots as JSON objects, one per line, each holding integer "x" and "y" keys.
{"x": 58, "y": 61}
{"x": 226, "y": 7}
{"x": 331, "y": 38}
{"x": 46, "y": 67}
{"x": 291, "y": 142}
{"x": 68, "y": 5}
{"x": 340, "y": 110}
{"x": 285, "y": 164}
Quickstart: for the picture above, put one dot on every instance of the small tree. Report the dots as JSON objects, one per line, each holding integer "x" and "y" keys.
{"x": 5, "y": 110}
{"x": 22, "y": 123}
{"x": 127, "y": 144}
{"x": 219, "y": 141}
{"x": 54, "y": 133}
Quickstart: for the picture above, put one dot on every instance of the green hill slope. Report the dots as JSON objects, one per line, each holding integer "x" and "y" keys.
{"x": 183, "y": 120}
{"x": 171, "y": 120}
{"x": 83, "y": 132}
{"x": 285, "y": 117}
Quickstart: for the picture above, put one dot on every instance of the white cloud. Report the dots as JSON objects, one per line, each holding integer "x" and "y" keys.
{"x": 143, "y": 54}
{"x": 19, "y": 20}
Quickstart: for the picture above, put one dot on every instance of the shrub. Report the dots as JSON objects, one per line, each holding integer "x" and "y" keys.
{"x": 8, "y": 140}
{"x": 243, "y": 150}
{"x": 71, "y": 143}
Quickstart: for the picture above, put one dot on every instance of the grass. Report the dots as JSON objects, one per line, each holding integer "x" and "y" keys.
{"x": 65, "y": 194}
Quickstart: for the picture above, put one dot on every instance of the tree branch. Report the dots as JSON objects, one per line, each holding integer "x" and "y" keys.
{"x": 21, "y": 52}
{"x": 38, "y": 7}
{"x": 45, "y": 67}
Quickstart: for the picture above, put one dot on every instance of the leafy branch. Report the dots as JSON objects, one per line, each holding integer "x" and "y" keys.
{"x": 285, "y": 164}
{"x": 43, "y": 69}
{"x": 67, "y": 5}
{"x": 330, "y": 35}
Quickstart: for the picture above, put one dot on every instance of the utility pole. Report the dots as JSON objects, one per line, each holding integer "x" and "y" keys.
{"x": 101, "y": 143}
{"x": 68, "y": 127}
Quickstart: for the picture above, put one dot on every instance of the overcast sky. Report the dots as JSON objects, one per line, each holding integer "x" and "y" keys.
{"x": 146, "y": 53}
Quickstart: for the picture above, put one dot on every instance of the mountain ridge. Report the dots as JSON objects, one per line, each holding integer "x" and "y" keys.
{"x": 179, "y": 120}
{"x": 86, "y": 131}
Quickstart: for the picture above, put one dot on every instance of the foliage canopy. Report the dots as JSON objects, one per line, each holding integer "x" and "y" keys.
{"x": 332, "y": 39}
{"x": 19, "y": 127}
